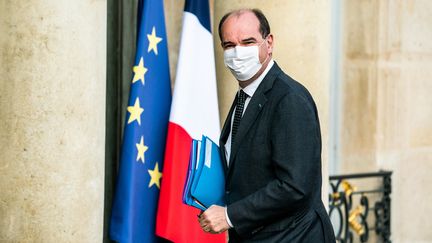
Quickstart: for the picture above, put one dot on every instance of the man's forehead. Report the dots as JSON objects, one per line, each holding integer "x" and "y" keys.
{"x": 244, "y": 23}
{"x": 244, "y": 16}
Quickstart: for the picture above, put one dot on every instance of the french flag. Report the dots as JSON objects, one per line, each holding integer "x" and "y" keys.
{"x": 194, "y": 112}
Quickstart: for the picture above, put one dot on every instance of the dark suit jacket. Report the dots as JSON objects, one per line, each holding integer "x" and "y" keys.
{"x": 273, "y": 183}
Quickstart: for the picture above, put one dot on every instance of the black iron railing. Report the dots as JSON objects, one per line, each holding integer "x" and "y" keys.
{"x": 350, "y": 208}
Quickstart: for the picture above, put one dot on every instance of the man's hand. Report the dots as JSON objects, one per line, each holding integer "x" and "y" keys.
{"x": 213, "y": 220}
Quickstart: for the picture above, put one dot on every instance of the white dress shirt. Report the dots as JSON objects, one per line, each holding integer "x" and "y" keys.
{"x": 249, "y": 90}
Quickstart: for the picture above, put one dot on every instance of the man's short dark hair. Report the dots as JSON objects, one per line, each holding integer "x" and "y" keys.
{"x": 264, "y": 27}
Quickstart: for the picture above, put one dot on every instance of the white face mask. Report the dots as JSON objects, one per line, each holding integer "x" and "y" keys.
{"x": 243, "y": 61}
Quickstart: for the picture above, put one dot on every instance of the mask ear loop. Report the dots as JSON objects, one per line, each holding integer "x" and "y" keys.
{"x": 260, "y": 47}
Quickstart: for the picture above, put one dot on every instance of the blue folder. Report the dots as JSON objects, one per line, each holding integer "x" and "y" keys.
{"x": 195, "y": 147}
{"x": 205, "y": 180}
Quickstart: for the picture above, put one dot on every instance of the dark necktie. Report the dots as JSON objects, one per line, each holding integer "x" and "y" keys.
{"x": 241, "y": 98}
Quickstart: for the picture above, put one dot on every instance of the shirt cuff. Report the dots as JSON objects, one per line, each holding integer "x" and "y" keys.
{"x": 227, "y": 218}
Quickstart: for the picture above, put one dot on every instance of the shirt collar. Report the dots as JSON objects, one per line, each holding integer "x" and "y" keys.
{"x": 252, "y": 87}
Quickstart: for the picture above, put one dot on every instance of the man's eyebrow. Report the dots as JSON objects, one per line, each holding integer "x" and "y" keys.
{"x": 248, "y": 39}
{"x": 224, "y": 43}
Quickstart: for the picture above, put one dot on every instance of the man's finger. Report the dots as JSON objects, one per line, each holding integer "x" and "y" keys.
{"x": 202, "y": 219}
{"x": 206, "y": 229}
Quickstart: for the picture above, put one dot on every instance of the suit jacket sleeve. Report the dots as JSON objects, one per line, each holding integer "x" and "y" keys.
{"x": 296, "y": 158}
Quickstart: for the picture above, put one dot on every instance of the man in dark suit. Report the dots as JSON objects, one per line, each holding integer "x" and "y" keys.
{"x": 271, "y": 143}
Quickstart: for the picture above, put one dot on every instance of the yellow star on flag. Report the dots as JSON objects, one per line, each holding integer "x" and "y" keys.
{"x": 141, "y": 150}
{"x": 153, "y": 41}
{"x": 135, "y": 112}
{"x": 155, "y": 176}
{"x": 139, "y": 71}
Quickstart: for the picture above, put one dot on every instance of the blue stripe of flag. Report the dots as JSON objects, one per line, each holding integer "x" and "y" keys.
{"x": 200, "y": 9}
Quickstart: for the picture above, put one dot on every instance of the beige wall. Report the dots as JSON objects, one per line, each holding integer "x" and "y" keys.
{"x": 52, "y": 120}
{"x": 386, "y": 114}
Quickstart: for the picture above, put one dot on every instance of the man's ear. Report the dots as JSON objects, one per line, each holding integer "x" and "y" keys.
{"x": 269, "y": 40}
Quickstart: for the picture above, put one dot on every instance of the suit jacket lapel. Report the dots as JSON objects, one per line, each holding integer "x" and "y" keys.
{"x": 254, "y": 107}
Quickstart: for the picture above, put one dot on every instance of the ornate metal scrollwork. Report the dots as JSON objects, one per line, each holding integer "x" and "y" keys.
{"x": 351, "y": 215}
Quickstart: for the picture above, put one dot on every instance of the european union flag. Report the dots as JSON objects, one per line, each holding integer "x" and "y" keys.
{"x": 134, "y": 208}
